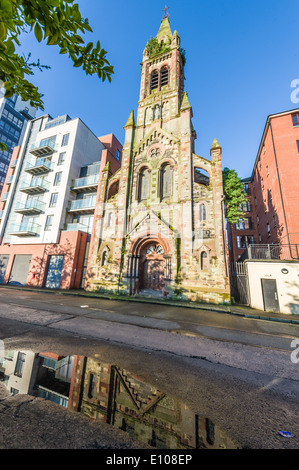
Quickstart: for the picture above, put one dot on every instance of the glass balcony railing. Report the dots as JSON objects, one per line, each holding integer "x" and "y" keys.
{"x": 74, "y": 227}
{"x": 83, "y": 204}
{"x": 25, "y": 229}
{"x": 13, "y": 163}
{"x": 45, "y": 147}
{"x": 36, "y": 185}
{"x": 9, "y": 179}
{"x": 4, "y": 197}
{"x": 88, "y": 181}
{"x": 1, "y": 214}
{"x": 38, "y": 166}
{"x": 30, "y": 206}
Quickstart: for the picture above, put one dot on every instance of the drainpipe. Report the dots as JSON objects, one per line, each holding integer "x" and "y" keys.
{"x": 78, "y": 260}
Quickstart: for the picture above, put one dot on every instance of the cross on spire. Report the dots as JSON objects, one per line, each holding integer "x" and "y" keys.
{"x": 166, "y": 14}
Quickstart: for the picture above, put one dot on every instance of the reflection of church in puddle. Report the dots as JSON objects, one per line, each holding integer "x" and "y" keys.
{"x": 107, "y": 393}
{"x": 159, "y": 227}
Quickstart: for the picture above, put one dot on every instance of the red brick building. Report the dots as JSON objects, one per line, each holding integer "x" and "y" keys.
{"x": 273, "y": 198}
{"x": 275, "y": 179}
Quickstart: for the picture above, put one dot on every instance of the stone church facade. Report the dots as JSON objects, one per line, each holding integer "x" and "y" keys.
{"x": 159, "y": 221}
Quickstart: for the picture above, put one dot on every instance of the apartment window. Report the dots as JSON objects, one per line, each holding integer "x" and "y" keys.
{"x": 268, "y": 230}
{"x": 245, "y": 224}
{"x": 241, "y": 242}
{"x": 117, "y": 154}
{"x": 246, "y": 188}
{"x": 53, "y": 200}
{"x": 65, "y": 140}
{"x": 260, "y": 238}
{"x": 295, "y": 119}
{"x": 61, "y": 158}
{"x": 20, "y": 364}
{"x": 245, "y": 206}
{"x": 14, "y": 391}
{"x": 49, "y": 222}
{"x": 57, "y": 179}
{"x": 257, "y": 219}
{"x": 298, "y": 146}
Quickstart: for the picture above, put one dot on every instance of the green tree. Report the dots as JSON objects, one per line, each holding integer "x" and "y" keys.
{"x": 234, "y": 195}
{"x": 60, "y": 23}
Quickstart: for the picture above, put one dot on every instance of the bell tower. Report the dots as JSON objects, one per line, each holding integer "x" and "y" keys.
{"x": 162, "y": 81}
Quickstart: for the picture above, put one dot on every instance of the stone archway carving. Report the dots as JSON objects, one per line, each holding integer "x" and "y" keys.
{"x": 149, "y": 263}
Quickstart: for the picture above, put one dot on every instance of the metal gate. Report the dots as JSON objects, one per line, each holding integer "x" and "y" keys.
{"x": 20, "y": 269}
{"x": 54, "y": 272}
{"x": 239, "y": 285}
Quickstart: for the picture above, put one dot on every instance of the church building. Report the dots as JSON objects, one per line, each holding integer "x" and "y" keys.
{"x": 159, "y": 227}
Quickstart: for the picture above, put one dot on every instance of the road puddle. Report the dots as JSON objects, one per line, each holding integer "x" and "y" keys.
{"x": 108, "y": 393}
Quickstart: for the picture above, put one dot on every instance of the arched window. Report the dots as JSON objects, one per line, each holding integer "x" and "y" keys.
{"x": 144, "y": 184}
{"x": 201, "y": 176}
{"x": 202, "y": 213}
{"x": 164, "y": 76}
{"x": 113, "y": 189}
{"x": 204, "y": 261}
{"x": 104, "y": 258}
{"x": 166, "y": 181}
{"x": 154, "y": 80}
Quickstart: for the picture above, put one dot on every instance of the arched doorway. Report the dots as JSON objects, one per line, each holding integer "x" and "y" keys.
{"x": 152, "y": 267}
{"x": 149, "y": 264}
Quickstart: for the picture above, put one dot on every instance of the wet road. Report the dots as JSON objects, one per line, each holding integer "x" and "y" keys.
{"x": 234, "y": 370}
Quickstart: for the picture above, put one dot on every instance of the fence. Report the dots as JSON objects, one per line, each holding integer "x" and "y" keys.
{"x": 239, "y": 283}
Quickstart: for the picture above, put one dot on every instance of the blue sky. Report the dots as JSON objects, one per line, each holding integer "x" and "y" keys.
{"x": 241, "y": 59}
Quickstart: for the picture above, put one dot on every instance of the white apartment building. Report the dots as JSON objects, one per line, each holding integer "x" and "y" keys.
{"x": 48, "y": 201}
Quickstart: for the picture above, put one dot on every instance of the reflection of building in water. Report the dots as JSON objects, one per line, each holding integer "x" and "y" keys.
{"x": 44, "y": 375}
{"x": 108, "y": 393}
{"x": 18, "y": 371}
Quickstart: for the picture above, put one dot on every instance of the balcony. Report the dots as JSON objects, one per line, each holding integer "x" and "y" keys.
{"x": 9, "y": 179}
{"x": 36, "y": 186}
{"x": 44, "y": 148}
{"x": 76, "y": 227}
{"x": 25, "y": 229}
{"x": 1, "y": 214}
{"x": 4, "y": 197}
{"x": 33, "y": 207}
{"x": 83, "y": 206}
{"x": 13, "y": 163}
{"x": 39, "y": 166}
{"x": 89, "y": 183}
{"x": 271, "y": 252}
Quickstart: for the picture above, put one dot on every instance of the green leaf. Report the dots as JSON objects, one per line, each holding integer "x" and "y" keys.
{"x": 38, "y": 32}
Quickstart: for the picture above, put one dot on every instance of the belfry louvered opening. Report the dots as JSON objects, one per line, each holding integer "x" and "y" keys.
{"x": 154, "y": 80}
{"x": 164, "y": 76}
